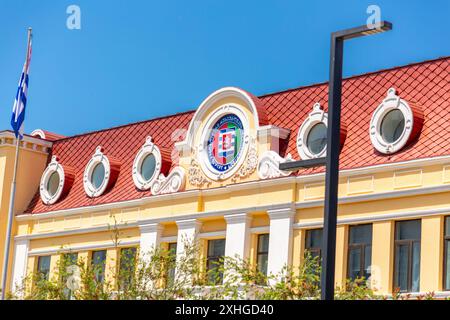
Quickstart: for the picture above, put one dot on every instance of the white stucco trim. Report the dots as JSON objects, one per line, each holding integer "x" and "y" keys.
{"x": 199, "y": 115}
{"x": 96, "y": 159}
{"x": 101, "y": 246}
{"x": 379, "y": 217}
{"x": 53, "y": 166}
{"x": 20, "y": 261}
{"x": 147, "y": 149}
{"x": 315, "y": 117}
{"x": 391, "y": 102}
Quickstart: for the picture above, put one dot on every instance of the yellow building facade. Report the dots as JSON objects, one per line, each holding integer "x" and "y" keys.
{"x": 213, "y": 175}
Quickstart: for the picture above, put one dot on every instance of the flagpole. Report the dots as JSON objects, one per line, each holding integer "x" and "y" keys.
{"x": 11, "y": 205}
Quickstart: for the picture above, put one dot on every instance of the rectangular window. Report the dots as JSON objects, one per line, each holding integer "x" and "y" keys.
{"x": 127, "y": 267}
{"x": 313, "y": 243}
{"x": 359, "y": 251}
{"x": 172, "y": 248}
{"x": 407, "y": 255}
{"x": 43, "y": 267}
{"x": 262, "y": 254}
{"x": 447, "y": 254}
{"x": 214, "y": 261}
{"x": 98, "y": 264}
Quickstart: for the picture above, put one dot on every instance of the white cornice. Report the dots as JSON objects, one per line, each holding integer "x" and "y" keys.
{"x": 378, "y": 196}
{"x": 26, "y": 138}
{"x": 109, "y": 206}
{"x": 378, "y": 217}
{"x": 378, "y": 168}
{"x": 124, "y": 243}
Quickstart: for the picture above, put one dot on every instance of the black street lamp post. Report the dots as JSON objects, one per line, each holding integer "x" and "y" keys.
{"x": 331, "y": 161}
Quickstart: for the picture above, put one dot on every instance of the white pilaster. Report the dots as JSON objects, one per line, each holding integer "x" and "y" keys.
{"x": 187, "y": 234}
{"x": 238, "y": 235}
{"x": 150, "y": 238}
{"x": 187, "y": 231}
{"x": 21, "y": 248}
{"x": 280, "y": 239}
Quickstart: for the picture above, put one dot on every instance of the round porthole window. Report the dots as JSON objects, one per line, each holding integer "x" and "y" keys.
{"x": 97, "y": 174}
{"x": 312, "y": 135}
{"x": 391, "y": 126}
{"x": 317, "y": 138}
{"x": 52, "y": 182}
{"x": 147, "y": 165}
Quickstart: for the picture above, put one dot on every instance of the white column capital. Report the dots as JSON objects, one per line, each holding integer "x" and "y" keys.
{"x": 151, "y": 227}
{"x": 282, "y": 213}
{"x": 238, "y": 218}
{"x": 150, "y": 238}
{"x": 189, "y": 224}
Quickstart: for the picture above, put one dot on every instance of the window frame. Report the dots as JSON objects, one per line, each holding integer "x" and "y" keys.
{"x": 313, "y": 250}
{"x": 361, "y": 246}
{"x": 38, "y": 271}
{"x": 410, "y": 243}
{"x": 260, "y": 253}
{"x": 213, "y": 257}
{"x": 121, "y": 284}
{"x": 446, "y": 243}
{"x": 171, "y": 271}
{"x": 93, "y": 264}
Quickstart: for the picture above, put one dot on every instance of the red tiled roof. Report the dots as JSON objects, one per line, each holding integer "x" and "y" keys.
{"x": 427, "y": 84}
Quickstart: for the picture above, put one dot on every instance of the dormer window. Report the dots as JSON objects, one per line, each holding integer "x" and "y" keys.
{"x": 55, "y": 181}
{"x": 148, "y": 164}
{"x": 312, "y": 135}
{"x": 392, "y": 126}
{"x": 394, "y": 123}
{"x": 317, "y": 138}
{"x": 100, "y": 173}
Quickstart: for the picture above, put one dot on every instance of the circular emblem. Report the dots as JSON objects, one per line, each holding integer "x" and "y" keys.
{"x": 225, "y": 142}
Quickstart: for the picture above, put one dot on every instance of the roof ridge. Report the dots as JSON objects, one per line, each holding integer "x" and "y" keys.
{"x": 259, "y": 96}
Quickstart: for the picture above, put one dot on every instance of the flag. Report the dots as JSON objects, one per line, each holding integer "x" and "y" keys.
{"x": 18, "y": 112}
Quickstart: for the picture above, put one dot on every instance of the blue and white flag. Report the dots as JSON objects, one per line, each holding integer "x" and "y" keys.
{"x": 18, "y": 113}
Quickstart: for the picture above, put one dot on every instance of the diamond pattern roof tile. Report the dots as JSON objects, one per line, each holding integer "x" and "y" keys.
{"x": 427, "y": 84}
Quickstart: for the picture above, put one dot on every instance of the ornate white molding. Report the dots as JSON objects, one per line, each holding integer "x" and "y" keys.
{"x": 250, "y": 163}
{"x": 97, "y": 158}
{"x": 148, "y": 148}
{"x": 315, "y": 117}
{"x": 268, "y": 166}
{"x": 391, "y": 102}
{"x": 174, "y": 182}
{"x": 52, "y": 167}
{"x": 213, "y": 98}
{"x": 195, "y": 173}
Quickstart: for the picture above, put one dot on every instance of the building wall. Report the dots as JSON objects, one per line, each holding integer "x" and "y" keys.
{"x": 32, "y": 160}
{"x": 378, "y": 196}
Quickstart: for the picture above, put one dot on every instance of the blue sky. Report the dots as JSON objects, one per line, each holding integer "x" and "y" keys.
{"x": 134, "y": 60}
